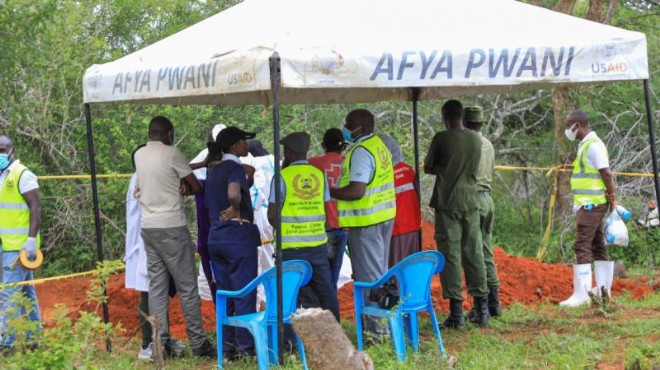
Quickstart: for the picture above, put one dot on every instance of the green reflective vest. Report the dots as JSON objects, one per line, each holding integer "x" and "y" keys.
{"x": 14, "y": 212}
{"x": 303, "y": 211}
{"x": 379, "y": 201}
{"x": 587, "y": 185}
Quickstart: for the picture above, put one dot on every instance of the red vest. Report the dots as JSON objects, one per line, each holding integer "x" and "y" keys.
{"x": 330, "y": 164}
{"x": 408, "y": 214}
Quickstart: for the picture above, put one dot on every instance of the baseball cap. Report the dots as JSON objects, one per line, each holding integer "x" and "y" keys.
{"x": 232, "y": 135}
{"x": 474, "y": 114}
{"x": 333, "y": 138}
{"x": 297, "y": 141}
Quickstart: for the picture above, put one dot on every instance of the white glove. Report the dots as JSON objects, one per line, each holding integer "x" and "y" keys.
{"x": 30, "y": 247}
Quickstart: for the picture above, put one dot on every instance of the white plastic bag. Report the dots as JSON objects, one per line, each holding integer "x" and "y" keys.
{"x": 616, "y": 232}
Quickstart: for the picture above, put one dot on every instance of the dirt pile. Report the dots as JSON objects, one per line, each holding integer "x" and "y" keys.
{"x": 523, "y": 280}
{"x": 122, "y": 304}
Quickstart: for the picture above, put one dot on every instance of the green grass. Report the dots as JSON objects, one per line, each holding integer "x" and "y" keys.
{"x": 543, "y": 336}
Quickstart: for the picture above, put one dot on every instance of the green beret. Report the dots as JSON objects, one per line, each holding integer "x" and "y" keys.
{"x": 474, "y": 114}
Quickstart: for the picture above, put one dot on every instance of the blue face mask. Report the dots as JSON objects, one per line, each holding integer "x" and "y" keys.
{"x": 348, "y": 135}
{"x": 4, "y": 161}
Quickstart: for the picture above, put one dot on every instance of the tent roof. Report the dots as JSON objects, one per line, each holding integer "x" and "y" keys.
{"x": 343, "y": 51}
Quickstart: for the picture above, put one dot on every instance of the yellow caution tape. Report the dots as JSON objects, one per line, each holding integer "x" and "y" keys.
{"x": 31, "y": 265}
{"x": 54, "y": 278}
{"x": 499, "y": 168}
{"x": 541, "y": 254}
{"x": 85, "y": 177}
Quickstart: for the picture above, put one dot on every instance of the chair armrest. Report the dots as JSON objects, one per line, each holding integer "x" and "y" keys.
{"x": 374, "y": 284}
{"x": 239, "y": 293}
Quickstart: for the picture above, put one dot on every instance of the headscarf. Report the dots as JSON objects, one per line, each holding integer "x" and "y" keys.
{"x": 394, "y": 148}
{"x": 256, "y": 148}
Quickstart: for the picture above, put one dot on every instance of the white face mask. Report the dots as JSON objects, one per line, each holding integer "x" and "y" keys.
{"x": 571, "y": 133}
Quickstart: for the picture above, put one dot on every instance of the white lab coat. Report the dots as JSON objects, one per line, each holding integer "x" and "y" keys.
{"x": 259, "y": 192}
{"x": 135, "y": 257}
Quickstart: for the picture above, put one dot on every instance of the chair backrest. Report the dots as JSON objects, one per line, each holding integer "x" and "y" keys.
{"x": 415, "y": 274}
{"x": 295, "y": 274}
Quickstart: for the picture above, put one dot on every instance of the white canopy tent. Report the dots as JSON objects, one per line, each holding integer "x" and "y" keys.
{"x": 344, "y": 51}
{"x": 272, "y": 52}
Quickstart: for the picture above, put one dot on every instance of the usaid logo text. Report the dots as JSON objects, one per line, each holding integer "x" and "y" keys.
{"x": 602, "y": 68}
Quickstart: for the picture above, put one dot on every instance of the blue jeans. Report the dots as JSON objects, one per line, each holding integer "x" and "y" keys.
{"x": 337, "y": 239}
{"x": 319, "y": 292}
{"x": 16, "y": 275}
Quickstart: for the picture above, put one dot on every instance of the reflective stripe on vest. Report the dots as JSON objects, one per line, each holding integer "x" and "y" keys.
{"x": 4, "y": 205}
{"x": 303, "y": 211}
{"x": 405, "y": 187}
{"x": 378, "y": 204}
{"x": 587, "y": 185}
{"x": 14, "y": 230}
{"x": 14, "y": 212}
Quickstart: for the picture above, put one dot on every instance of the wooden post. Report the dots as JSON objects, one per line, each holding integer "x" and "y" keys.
{"x": 326, "y": 344}
{"x": 156, "y": 344}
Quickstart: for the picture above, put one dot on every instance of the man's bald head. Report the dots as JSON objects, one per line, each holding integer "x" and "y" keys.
{"x": 577, "y": 121}
{"x": 452, "y": 114}
{"x": 6, "y": 146}
{"x": 161, "y": 129}
{"x": 578, "y": 116}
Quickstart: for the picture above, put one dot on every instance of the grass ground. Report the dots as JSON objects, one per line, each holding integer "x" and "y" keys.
{"x": 621, "y": 335}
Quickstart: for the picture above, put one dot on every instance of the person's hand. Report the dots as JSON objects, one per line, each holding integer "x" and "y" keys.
{"x": 230, "y": 213}
{"x": 249, "y": 171}
{"x": 611, "y": 199}
{"x": 184, "y": 189}
{"x": 30, "y": 247}
{"x": 249, "y": 174}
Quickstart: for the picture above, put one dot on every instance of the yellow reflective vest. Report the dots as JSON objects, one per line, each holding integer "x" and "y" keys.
{"x": 303, "y": 211}
{"x": 14, "y": 212}
{"x": 379, "y": 201}
{"x": 587, "y": 185}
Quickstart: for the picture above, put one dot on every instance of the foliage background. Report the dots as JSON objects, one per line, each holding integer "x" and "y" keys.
{"x": 47, "y": 45}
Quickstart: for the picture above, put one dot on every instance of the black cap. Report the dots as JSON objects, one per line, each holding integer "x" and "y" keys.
{"x": 231, "y": 135}
{"x": 297, "y": 141}
{"x": 333, "y": 138}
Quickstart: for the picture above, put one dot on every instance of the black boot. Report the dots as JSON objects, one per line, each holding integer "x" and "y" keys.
{"x": 480, "y": 317}
{"x": 473, "y": 313}
{"x": 455, "y": 319}
{"x": 494, "y": 308}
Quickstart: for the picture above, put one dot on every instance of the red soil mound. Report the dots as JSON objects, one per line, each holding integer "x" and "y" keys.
{"x": 523, "y": 280}
{"x": 122, "y": 304}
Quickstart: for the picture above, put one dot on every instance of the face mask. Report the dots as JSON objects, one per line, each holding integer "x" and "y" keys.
{"x": 348, "y": 134}
{"x": 570, "y": 133}
{"x": 4, "y": 161}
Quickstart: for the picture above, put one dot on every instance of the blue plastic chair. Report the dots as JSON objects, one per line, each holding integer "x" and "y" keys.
{"x": 414, "y": 275}
{"x": 263, "y": 325}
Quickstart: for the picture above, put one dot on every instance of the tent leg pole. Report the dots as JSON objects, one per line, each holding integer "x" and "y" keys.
{"x": 415, "y": 129}
{"x": 97, "y": 212}
{"x": 275, "y": 78}
{"x": 654, "y": 157}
